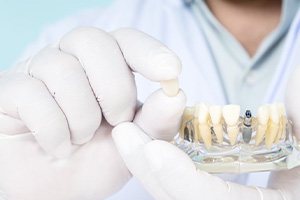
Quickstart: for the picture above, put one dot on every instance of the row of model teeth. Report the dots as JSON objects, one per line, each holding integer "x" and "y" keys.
{"x": 271, "y": 123}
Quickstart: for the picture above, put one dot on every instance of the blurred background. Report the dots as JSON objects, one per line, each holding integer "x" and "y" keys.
{"x": 22, "y": 21}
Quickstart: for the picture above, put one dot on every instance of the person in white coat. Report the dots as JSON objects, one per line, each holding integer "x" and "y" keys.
{"x": 60, "y": 104}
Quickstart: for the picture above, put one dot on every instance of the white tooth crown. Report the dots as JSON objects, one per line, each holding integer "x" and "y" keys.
{"x": 274, "y": 113}
{"x": 222, "y": 125}
{"x": 215, "y": 114}
{"x": 170, "y": 87}
{"x": 202, "y": 113}
{"x": 231, "y": 114}
{"x": 263, "y": 114}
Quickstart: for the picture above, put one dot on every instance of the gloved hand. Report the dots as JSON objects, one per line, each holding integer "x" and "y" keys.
{"x": 57, "y": 111}
{"x": 168, "y": 173}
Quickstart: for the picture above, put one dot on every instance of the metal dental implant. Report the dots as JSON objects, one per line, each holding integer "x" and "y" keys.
{"x": 247, "y": 127}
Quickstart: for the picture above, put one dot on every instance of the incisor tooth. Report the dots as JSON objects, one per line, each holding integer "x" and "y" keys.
{"x": 263, "y": 116}
{"x": 202, "y": 113}
{"x": 170, "y": 87}
{"x": 204, "y": 129}
{"x": 231, "y": 114}
{"x": 273, "y": 127}
{"x": 215, "y": 113}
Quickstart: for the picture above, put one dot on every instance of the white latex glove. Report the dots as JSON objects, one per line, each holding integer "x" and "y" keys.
{"x": 168, "y": 173}
{"x": 54, "y": 141}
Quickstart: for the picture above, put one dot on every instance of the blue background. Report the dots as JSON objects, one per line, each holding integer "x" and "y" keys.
{"x": 22, "y": 20}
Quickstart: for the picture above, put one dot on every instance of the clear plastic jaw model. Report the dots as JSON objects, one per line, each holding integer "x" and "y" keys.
{"x": 219, "y": 140}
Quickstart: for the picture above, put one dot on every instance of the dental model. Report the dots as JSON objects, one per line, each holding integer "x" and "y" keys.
{"x": 231, "y": 114}
{"x": 219, "y": 140}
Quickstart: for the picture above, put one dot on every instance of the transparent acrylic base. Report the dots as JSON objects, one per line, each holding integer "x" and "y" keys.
{"x": 242, "y": 158}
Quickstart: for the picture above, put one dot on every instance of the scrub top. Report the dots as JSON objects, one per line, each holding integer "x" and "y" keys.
{"x": 244, "y": 78}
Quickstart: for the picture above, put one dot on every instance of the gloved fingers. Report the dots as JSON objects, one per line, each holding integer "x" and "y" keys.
{"x": 109, "y": 76}
{"x": 11, "y": 126}
{"x": 168, "y": 173}
{"x": 67, "y": 82}
{"x": 292, "y": 101}
{"x": 147, "y": 55}
{"x": 287, "y": 181}
{"x": 130, "y": 141}
{"x": 176, "y": 173}
{"x": 26, "y": 98}
{"x": 160, "y": 115}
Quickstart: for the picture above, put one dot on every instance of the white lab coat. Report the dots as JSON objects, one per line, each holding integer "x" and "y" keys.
{"x": 172, "y": 22}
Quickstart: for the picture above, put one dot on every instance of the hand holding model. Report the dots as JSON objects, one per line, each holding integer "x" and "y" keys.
{"x": 168, "y": 173}
{"x": 57, "y": 111}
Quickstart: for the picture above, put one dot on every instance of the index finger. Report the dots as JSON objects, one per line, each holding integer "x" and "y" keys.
{"x": 150, "y": 58}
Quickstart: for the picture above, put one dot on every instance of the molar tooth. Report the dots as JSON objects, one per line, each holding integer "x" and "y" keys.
{"x": 170, "y": 87}
{"x": 204, "y": 129}
{"x": 263, "y": 115}
{"x": 215, "y": 113}
{"x": 273, "y": 127}
{"x": 231, "y": 114}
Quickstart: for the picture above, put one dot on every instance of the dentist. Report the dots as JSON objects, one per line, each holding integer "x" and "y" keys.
{"x": 72, "y": 128}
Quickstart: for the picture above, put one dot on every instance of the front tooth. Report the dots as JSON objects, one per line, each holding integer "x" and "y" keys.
{"x": 263, "y": 116}
{"x": 204, "y": 129}
{"x": 282, "y": 122}
{"x": 231, "y": 114}
{"x": 202, "y": 113}
{"x": 187, "y": 116}
{"x": 215, "y": 113}
{"x": 170, "y": 87}
{"x": 273, "y": 128}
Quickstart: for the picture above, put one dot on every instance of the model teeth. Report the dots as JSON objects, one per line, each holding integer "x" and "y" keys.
{"x": 204, "y": 128}
{"x": 273, "y": 127}
{"x": 231, "y": 114}
{"x": 216, "y": 116}
{"x": 263, "y": 116}
{"x": 202, "y": 122}
{"x": 170, "y": 87}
